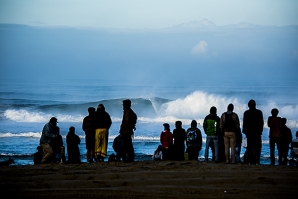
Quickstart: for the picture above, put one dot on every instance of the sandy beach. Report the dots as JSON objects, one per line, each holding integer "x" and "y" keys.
{"x": 149, "y": 179}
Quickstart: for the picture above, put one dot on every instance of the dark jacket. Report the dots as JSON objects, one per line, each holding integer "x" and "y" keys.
{"x": 47, "y": 134}
{"x": 102, "y": 120}
{"x": 274, "y": 123}
{"x": 198, "y": 142}
{"x": 179, "y": 136}
{"x": 223, "y": 122}
{"x": 253, "y": 122}
{"x": 128, "y": 121}
{"x": 73, "y": 151}
{"x": 88, "y": 125}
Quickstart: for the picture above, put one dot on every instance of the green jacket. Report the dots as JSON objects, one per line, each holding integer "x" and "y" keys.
{"x": 211, "y": 125}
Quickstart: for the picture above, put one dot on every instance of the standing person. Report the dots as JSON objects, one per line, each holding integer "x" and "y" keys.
{"x": 88, "y": 127}
{"x": 166, "y": 140}
{"x": 58, "y": 148}
{"x": 103, "y": 123}
{"x": 73, "y": 151}
{"x": 229, "y": 124}
{"x": 47, "y": 135}
{"x": 179, "y": 139}
{"x": 127, "y": 128}
{"x": 286, "y": 140}
{"x": 274, "y": 124}
{"x": 253, "y": 123}
{"x": 212, "y": 130}
{"x": 193, "y": 141}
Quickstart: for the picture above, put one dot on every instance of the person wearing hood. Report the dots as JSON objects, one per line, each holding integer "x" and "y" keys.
{"x": 103, "y": 123}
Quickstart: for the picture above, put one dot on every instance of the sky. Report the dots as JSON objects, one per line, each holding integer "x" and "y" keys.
{"x": 151, "y": 14}
{"x": 59, "y": 38}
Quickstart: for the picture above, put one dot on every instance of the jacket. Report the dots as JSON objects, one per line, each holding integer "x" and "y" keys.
{"x": 128, "y": 122}
{"x": 223, "y": 121}
{"x": 166, "y": 139}
{"x": 274, "y": 123}
{"x": 211, "y": 125}
{"x": 253, "y": 122}
{"x": 47, "y": 134}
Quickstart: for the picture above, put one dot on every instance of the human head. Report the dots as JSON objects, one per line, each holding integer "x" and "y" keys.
{"x": 274, "y": 112}
{"x": 53, "y": 121}
{"x": 252, "y": 104}
{"x": 283, "y": 121}
{"x": 100, "y": 108}
{"x": 91, "y": 110}
{"x": 230, "y": 107}
{"x": 166, "y": 126}
{"x": 126, "y": 104}
{"x": 178, "y": 124}
{"x": 72, "y": 129}
{"x": 193, "y": 124}
{"x": 213, "y": 110}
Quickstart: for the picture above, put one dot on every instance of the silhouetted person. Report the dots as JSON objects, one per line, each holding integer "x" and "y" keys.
{"x": 127, "y": 128}
{"x": 274, "y": 123}
{"x": 253, "y": 123}
{"x": 73, "y": 150}
{"x": 229, "y": 124}
{"x": 88, "y": 127}
{"x": 103, "y": 123}
{"x": 179, "y": 139}
{"x": 193, "y": 141}
{"x": 47, "y": 135}
{"x": 166, "y": 140}
{"x": 58, "y": 148}
{"x": 285, "y": 140}
{"x": 211, "y": 127}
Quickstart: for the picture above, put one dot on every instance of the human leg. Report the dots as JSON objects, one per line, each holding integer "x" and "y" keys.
{"x": 227, "y": 146}
{"x": 47, "y": 152}
{"x": 208, "y": 139}
{"x": 272, "y": 148}
{"x": 232, "y": 145}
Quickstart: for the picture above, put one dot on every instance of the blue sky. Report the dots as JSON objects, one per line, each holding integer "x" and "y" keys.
{"x": 79, "y": 52}
{"x": 151, "y": 14}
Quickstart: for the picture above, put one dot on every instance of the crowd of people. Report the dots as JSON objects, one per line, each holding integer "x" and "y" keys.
{"x": 223, "y": 137}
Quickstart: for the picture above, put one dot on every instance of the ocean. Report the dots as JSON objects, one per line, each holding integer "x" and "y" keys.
{"x": 26, "y": 106}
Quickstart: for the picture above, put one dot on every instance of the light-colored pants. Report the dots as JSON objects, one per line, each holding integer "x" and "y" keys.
{"x": 47, "y": 152}
{"x": 230, "y": 142}
{"x": 101, "y": 141}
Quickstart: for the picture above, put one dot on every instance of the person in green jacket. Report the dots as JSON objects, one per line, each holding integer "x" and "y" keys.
{"x": 211, "y": 128}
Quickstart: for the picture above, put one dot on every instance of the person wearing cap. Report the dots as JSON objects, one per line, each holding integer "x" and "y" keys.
{"x": 103, "y": 123}
{"x": 193, "y": 141}
{"x": 166, "y": 140}
{"x": 253, "y": 124}
{"x": 127, "y": 127}
{"x": 47, "y": 135}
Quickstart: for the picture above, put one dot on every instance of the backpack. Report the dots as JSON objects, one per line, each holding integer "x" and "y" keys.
{"x": 192, "y": 136}
{"x": 230, "y": 124}
{"x": 118, "y": 144}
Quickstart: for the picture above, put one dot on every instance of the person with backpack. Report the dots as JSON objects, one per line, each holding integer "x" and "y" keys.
{"x": 193, "y": 141}
{"x": 127, "y": 128}
{"x": 212, "y": 130}
{"x": 229, "y": 125}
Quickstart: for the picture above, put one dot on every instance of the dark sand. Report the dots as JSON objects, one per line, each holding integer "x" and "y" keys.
{"x": 149, "y": 179}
